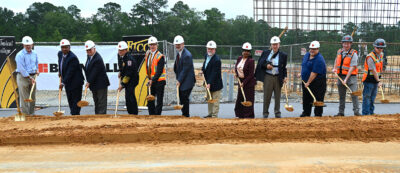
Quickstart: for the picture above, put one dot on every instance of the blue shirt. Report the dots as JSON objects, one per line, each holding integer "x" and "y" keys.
{"x": 207, "y": 61}
{"x": 316, "y": 65}
{"x": 27, "y": 63}
{"x": 275, "y": 63}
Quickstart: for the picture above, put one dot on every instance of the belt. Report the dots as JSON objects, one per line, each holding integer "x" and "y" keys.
{"x": 272, "y": 74}
{"x": 32, "y": 74}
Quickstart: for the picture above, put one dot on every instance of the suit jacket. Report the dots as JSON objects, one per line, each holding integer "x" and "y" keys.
{"x": 128, "y": 67}
{"x": 184, "y": 70}
{"x": 262, "y": 66}
{"x": 71, "y": 71}
{"x": 248, "y": 70}
{"x": 95, "y": 73}
{"x": 213, "y": 73}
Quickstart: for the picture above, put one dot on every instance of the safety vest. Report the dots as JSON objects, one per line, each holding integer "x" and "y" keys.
{"x": 343, "y": 63}
{"x": 368, "y": 76}
{"x": 153, "y": 65}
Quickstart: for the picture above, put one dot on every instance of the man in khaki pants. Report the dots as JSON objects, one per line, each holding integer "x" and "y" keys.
{"x": 212, "y": 73}
{"x": 27, "y": 69}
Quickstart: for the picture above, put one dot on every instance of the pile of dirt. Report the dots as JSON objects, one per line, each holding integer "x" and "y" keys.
{"x": 95, "y": 129}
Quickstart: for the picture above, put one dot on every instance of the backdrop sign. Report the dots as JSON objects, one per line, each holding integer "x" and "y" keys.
{"x": 7, "y": 84}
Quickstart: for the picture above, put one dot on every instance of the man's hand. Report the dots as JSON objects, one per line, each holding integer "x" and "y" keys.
{"x": 208, "y": 86}
{"x": 344, "y": 81}
{"x": 307, "y": 85}
{"x": 285, "y": 80}
{"x": 87, "y": 85}
{"x": 269, "y": 67}
{"x": 33, "y": 80}
{"x": 61, "y": 86}
{"x": 120, "y": 88}
{"x": 37, "y": 73}
{"x": 178, "y": 84}
{"x": 150, "y": 82}
{"x": 379, "y": 84}
{"x": 334, "y": 70}
{"x": 298, "y": 75}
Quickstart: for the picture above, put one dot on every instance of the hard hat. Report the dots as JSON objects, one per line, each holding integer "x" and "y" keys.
{"x": 64, "y": 42}
{"x": 27, "y": 40}
{"x": 380, "y": 43}
{"x": 314, "y": 45}
{"x": 211, "y": 44}
{"x": 275, "y": 40}
{"x": 347, "y": 38}
{"x": 89, "y": 44}
{"x": 178, "y": 40}
{"x": 152, "y": 40}
{"x": 122, "y": 45}
{"x": 246, "y": 46}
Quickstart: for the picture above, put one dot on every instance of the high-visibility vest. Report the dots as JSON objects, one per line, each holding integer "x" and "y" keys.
{"x": 153, "y": 65}
{"x": 343, "y": 63}
{"x": 368, "y": 76}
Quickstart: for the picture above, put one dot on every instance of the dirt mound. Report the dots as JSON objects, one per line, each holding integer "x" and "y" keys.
{"x": 93, "y": 129}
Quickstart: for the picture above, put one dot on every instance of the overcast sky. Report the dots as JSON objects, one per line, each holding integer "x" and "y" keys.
{"x": 231, "y": 8}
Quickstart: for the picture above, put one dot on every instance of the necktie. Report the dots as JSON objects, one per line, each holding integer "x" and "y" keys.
{"x": 61, "y": 65}
{"x": 177, "y": 59}
{"x": 88, "y": 62}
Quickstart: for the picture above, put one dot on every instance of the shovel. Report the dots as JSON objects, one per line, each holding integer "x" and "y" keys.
{"x": 287, "y": 106}
{"x": 316, "y": 103}
{"x": 59, "y": 113}
{"x": 150, "y": 97}
{"x": 30, "y": 95}
{"x": 355, "y": 93}
{"x": 244, "y": 103}
{"x": 383, "y": 97}
{"x": 83, "y": 103}
{"x": 211, "y": 100}
{"x": 178, "y": 106}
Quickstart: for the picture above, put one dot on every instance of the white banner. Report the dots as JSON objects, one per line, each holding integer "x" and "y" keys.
{"x": 48, "y": 64}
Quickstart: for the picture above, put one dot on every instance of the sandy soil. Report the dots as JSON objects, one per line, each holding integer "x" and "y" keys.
{"x": 266, "y": 157}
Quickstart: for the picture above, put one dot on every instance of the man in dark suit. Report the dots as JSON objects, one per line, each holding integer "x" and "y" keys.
{"x": 96, "y": 78}
{"x": 212, "y": 74}
{"x": 71, "y": 76}
{"x": 184, "y": 73}
{"x": 128, "y": 73}
{"x": 271, "y": 69}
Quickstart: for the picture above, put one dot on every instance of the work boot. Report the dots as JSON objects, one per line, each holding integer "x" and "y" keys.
{"x": 210, "y": 116}
{"x": 339, "y": 115}
{"x": 278, "y": 116}
{"x": 304, "y": 115}
{"x": 357, "y": 114}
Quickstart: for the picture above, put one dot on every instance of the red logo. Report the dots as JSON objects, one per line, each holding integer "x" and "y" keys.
{"x": 43, "y": 68}
{"x": 247, "y": 46}
{"x": 381, "y": 44}
{"x": 62, "y": 42}
{"x": 87, "y": 46}
{"x": 312, "y": 45}
{"x": 119, "y": 46}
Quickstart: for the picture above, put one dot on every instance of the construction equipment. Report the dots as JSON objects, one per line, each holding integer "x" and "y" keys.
{"x": 149, "y": 96}
{"x": 316, "y": 103}
{"x": 178, "y": 106}
{"x": 30, "y": 95}
{"x": 355, "y": 93}
{"x": 287, "y": 106}
{"x": 210, "y": 99}
{"x": 383, "y": 97}
{"x": 83, "y": 102}
{"x": 244, "y": 103}
{"x": 59, "y": 113}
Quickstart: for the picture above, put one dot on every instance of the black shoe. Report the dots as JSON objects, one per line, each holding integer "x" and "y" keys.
{"x": 304, "y": 115}
{"x": 339, "y": 115}
{"x": 357, "y": 114}
{"x": 278, "y": 116}
{"x": 210, "y": 116}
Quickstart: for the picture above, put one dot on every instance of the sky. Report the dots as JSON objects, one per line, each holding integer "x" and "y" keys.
{"x": 231, "y": 8}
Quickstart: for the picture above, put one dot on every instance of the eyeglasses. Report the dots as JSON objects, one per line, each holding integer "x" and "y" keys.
{"x": 379, "y": 47}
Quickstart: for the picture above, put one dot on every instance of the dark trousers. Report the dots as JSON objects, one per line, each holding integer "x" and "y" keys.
{"x": 157, "y": 90}
{"x": 100, "y": 101}
{"x": 130, "y": 99}
{"x": 74, "y": 96}
{"x": 184, "y": 100}
{"x": 318, "y": 88}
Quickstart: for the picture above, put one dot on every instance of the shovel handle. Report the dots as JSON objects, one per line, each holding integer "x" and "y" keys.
{"x": 287, "y": 99}
{"x": 177, "y": 94}
{"x": 117, "y": 101}
{"x": 383, "y": 96}
{"x": 85, "y": 91}
{"x": 59, "y": 97}
{"x": 241, "y": 88}
{"x": 283, "y": 32}
{"x": 208, "y": 89}
{"x": 343, "y": 82}
{"x": 33, "y": 86}
{"x": 309, "y": 90}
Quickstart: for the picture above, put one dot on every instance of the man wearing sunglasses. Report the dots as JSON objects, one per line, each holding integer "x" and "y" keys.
{"x": 373, "y": 67}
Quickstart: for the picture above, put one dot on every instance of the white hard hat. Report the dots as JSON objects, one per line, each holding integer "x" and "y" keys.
{"x": 211, "y": 44}
{"x": 275, "y": 39}
{"x": 246, "y": 46}
{"x": 122, "y": 45}
{"x": 152, "y": 40}
{"x": 64, "y": 42}
{"x": 27, "y": 40}
{"x": 89, "y": 44}
{"x": 178, "y": 40}
{"x": 314, "y": 45}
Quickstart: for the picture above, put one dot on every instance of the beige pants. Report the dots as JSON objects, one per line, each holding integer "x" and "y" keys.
{"x": 213, "y": 108}
{"x": 24, "y": 90}
{"x": 271, "y": 84}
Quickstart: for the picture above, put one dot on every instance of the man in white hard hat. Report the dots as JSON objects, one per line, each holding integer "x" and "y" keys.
{"x": 27, "y": 69}
{"x": 128, "y": 73}
{"x": 96, "y": 78}
{"x": 212, "y": 74}
{"x": 313, "y": 73}
{"x": 71, "y": 76}
{"x": 155, "y": 70}
{"x": 184, "y": 73}
{"x": 271, "y": 70}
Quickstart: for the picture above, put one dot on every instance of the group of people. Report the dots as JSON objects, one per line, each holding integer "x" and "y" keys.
{"x": 270, "y": 70}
